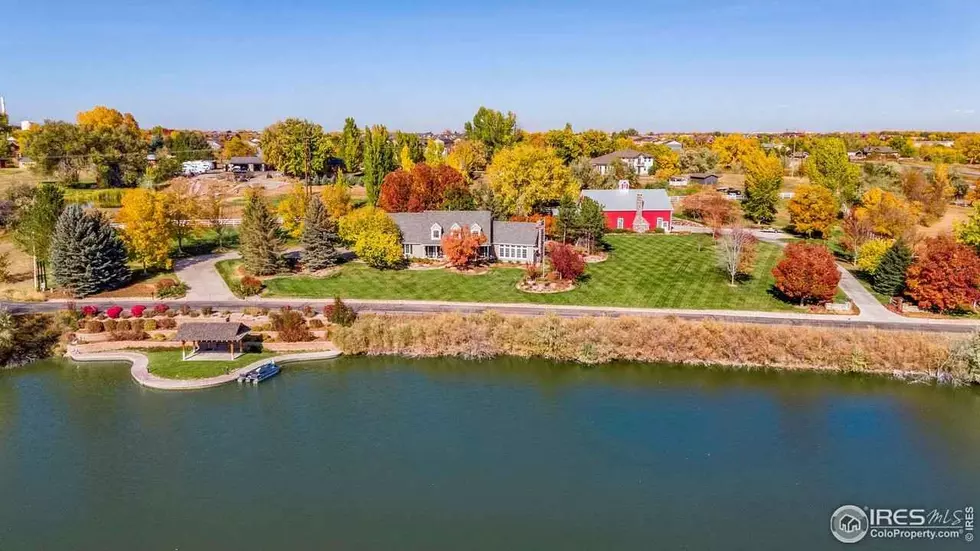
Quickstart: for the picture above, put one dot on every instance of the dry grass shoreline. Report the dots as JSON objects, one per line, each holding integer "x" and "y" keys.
{"x": 598, "y": 340}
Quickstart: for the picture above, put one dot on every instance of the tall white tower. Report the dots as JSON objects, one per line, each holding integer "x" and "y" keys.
{"x": 3, "y": 107}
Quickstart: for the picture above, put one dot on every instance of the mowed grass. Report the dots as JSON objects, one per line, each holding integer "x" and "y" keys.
{"x": 167, "y": 363}
{"x": 652, "y": 271}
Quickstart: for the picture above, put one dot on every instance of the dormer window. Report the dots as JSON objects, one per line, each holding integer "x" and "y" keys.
{"x": 455, "y": 228}
{"x": 476, "y": 229}
{"x": 436, "y": 231}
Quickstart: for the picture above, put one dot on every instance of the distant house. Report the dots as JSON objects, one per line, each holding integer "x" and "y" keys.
{"x": 250, "y": 164}
{"x": 704, "y": 178}
{"x": 674, "y": 145}
{"x": 506, "y": 241}
{"x": 639, "y": 210}
{"x": 214, "y": 145}
{"x": 877, "y": 152}
{"x": 640, "y": 162}
{"x": 25, "y": 162}
{"x": 678, "y": 181}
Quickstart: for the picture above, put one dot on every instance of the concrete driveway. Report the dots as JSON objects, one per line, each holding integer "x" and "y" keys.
{"x": 200, "y": 274}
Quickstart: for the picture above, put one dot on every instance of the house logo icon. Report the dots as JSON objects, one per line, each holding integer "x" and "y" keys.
{"x": 849, "y": 524}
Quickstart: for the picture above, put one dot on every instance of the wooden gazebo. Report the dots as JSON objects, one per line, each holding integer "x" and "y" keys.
{"x": 211, "y": 336}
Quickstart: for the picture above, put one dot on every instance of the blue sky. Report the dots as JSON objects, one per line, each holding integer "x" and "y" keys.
{"x": 751, "y": 65}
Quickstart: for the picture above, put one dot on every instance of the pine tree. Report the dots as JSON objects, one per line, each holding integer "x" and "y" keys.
{"x": 87, "y": 256}
{"x": 592, "y": 222}
{"x": 889, "y": 278}
{"x": 259, "y": 237}
{"x": 319, "y": 238}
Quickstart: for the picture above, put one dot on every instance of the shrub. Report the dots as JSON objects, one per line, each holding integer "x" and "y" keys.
{"x": 185, "y": 309}
{"x": 315, "y": 324}
{"x": 150, "y": 324}
{"x": 110, "y": 325}
{"x": 167, "y": 323}
{"x": 532, "y": 272}
{"x": 121, "y": 325}
{"x": 194, "y": 314}
{"x": 137, "y": 310}
{"x": 94, "y": 326}
{"x": 290, "y": 325}
{"x": 565, "y": 261}
{"x": 308, "y": 311}
{"x": 170, "y": 288}
{"x": 945, "y": 275}
{"x": 160, "y": 308}
{"x": 113, "y": 311}
{"x": 206, "y": 310}
{"x": 807, "y": 272}
{"x": 128, "y": 336}
{"x": 88, "y": 310}
{"x": 124, "y": 315}
{"x": 249, "y": 286}
{"x": 870, "y": 254}
{"x": 252, "y": 311}
{"x": 339, "y": 313}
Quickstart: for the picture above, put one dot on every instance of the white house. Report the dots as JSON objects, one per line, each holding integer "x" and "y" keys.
{"x": 640, "y": 162}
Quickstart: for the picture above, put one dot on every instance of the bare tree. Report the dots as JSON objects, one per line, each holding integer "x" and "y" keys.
{"x": 736, "y": 250}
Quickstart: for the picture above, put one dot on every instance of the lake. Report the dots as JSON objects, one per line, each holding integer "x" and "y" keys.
{"x": 390, "y": 453}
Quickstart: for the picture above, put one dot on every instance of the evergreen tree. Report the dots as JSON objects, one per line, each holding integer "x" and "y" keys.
{"x": 87, "y": 256}
{"x": 259, "y": 237}
{"x": 35, "y": 227}
{"x": 592, "y": 222}
{"x": 567, "y": 221}
{"x": 319, "y": 238}
{"x": 889, "y": 278}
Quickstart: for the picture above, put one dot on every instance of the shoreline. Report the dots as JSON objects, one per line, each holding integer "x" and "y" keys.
{"x": 140, "y": 372}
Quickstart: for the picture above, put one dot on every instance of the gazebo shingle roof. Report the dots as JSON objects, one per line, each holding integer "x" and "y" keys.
{"x": 221, "y": 331}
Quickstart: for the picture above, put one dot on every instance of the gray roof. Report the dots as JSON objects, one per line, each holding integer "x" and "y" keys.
{"x": 703, "y": 175}
{"x": 625, "y": 199}
{"x": 221, "y": 331}
{"x": 515, "y": 233}
{"x": 246, "y": 161}
{"x": 416, "y": 227}
{"x": 621, "y": 154}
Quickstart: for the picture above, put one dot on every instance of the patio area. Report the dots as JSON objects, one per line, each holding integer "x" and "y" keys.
{"x": 211, "y": 341}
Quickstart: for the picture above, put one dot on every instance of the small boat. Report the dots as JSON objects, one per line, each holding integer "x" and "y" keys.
{"x": 260, "y": 373}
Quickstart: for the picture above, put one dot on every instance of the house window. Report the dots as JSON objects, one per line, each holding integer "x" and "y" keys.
{"x": 454, "y": 228}
{"x": 476, "y": 229}
{"x": 433, "y": 251}
{"x": 436, "y": 231}
{"x": 406, "y": 249}
{"x": 620, "y": 223}
{"x": 660, "y": 222}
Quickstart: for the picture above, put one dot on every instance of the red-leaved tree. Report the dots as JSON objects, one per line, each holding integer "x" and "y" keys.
{"x": 565, "y": 261}
{"x": 462, "y": 247}
{"x": 423, "y": 188}
{"x": 945, "y": 275}
{"x": 807, "y": 273}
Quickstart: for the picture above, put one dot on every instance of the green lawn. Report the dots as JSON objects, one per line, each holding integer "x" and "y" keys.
{"x": 167, "y": 363}
{"x": 653, "y": 271}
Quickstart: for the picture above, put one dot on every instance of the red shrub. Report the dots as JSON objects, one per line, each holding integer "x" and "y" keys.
{"x": 565, "y": 261}
{"x": 945, "y": 275}
{"x": 160, "y": 308}
{"x": 88, "y": 310}
{"x": 807, "y": 272}
{"x": 114, "y": 311}
{"x": 137, "y": 310}
{"x": 250, "y": 286}
{"x": 290, "y": 325}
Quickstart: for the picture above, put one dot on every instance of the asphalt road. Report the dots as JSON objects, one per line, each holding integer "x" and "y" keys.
{"x": 424, "y": 307}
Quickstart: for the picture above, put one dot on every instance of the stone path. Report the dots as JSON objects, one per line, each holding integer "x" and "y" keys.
{"x": 141, "y": 373}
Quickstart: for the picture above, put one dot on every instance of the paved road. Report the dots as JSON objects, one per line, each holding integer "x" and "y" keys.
{"x": 205, "y": 283}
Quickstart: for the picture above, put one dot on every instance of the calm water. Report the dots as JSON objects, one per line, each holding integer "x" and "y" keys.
{"x": 438, "y": 454}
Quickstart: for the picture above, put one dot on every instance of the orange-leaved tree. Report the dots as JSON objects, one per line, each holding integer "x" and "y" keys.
{"x": 461, "y": 247}
{"x": 945, "y": 275}
{"x": 807, "y": 273}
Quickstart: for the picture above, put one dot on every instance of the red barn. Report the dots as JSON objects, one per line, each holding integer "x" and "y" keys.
{"x": 639, "y": 210}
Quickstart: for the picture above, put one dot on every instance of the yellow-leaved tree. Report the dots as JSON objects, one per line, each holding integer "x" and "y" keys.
{"x": 812, "y": 210}
{"x": 183, "y": 208}
{"x": 524, "y": 177}
{"x": 888, "y": 214}
{"x": 291, "y": 210}
{"x": 405, "y": 158}
{"x": 467, "y": 157}
{"x": 105, "y": 117}
{"x": 373, "y": 236}
{"x": 732, "y": 149}
{"x": 146, "y": 230}
{"x": 336, "y": 198}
